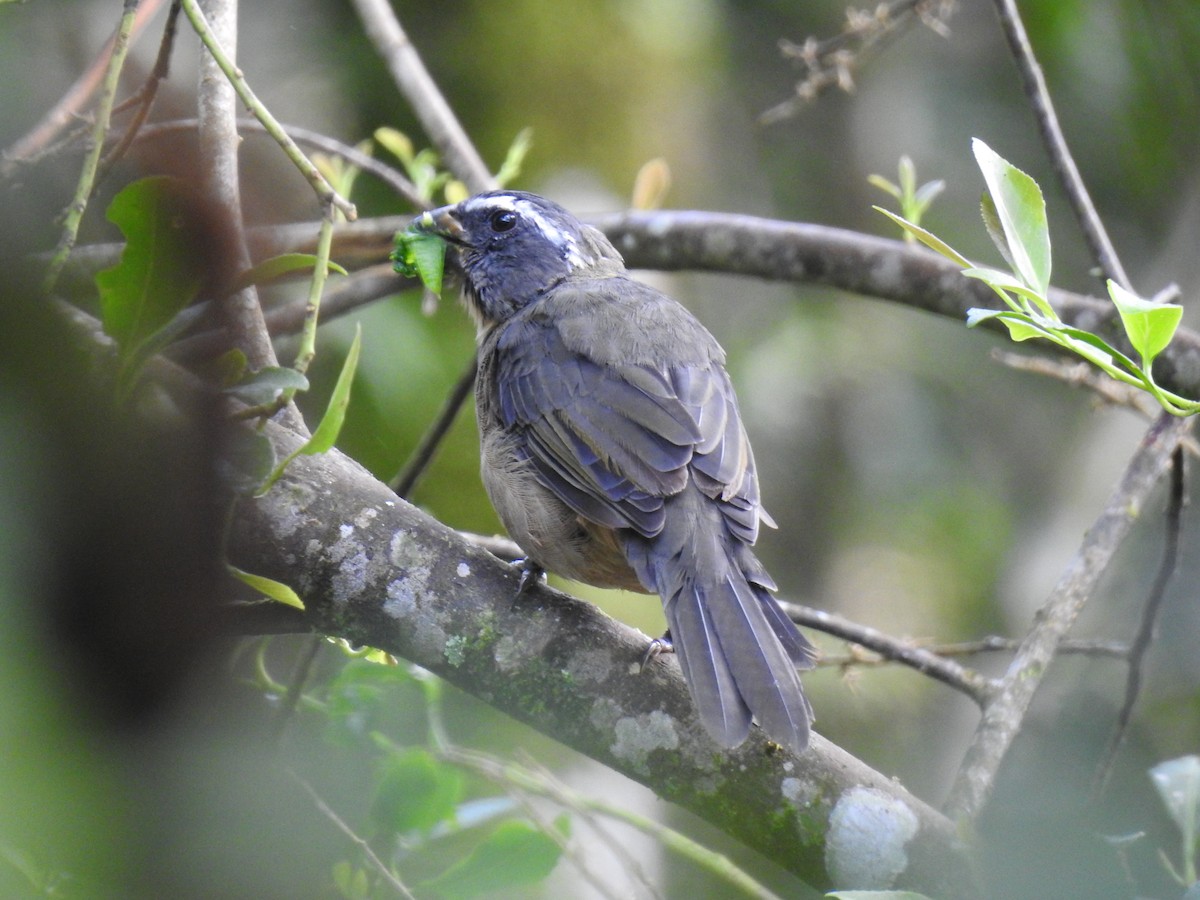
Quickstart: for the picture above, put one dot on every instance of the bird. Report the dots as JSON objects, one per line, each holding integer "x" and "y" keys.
{"x": 613, "y": 451}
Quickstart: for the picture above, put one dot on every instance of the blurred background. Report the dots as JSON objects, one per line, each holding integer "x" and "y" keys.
{"x": 920, "y": 487}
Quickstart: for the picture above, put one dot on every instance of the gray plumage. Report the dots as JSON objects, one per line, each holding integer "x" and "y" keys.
{"x": 614, "y": 453}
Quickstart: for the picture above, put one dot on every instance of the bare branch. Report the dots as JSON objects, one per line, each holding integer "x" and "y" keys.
{"x": 1004, "y": 715}
{"x": 1154, "y": 603}
{"x": 219, "y": 141}
{"x": 1034, "y": 83}
{"x": 414, "y": 82}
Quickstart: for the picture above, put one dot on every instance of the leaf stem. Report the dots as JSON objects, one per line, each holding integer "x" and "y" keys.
{"x": 91, "y": 160}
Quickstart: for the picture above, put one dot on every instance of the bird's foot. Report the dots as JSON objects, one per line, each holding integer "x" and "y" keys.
{"x": 658, "y": 645}
{"x": 531, "y": 574}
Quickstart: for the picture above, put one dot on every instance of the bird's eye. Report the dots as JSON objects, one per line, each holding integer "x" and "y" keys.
{"x": 503, "y": 220}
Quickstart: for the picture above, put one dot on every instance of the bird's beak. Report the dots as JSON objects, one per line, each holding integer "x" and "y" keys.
{"x": 441, "y": 222}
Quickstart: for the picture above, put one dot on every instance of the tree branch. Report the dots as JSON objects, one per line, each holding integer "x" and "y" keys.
{"x": 414, "y": 82}
{"x": 1003, "y": 716}
{"x": 377, "y": 571}
{"x": 217, "y": 105}
{"x": 1034, "y": 83}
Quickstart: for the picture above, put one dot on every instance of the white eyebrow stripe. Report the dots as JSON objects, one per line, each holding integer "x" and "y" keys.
{"x": 560, "y": 238}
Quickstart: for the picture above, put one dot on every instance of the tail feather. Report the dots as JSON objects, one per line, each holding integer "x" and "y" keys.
{"x": 706, "y": 670}
{"x": 739, "y": 653}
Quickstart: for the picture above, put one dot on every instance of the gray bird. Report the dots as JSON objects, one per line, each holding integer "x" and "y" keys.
{"x": 614, "y": 454}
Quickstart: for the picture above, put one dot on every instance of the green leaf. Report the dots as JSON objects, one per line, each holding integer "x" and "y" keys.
{"x": 991, "y": 222}
{"x": 1178, "y": 784}
{"x": 268, "y": 587}
{"x": 159, "y": 271}
{"x": 1020, "y": 326}
{"x": 1021, "y": 211}
{"x": 330, "y": 426}
{"x": 264, "y": 386}
{"x": 418, "y": 254}
{"x": 416, "y": 792}
{"x": 278, "y": 266}
{"x": 1003, "y": 281}
{"x": 927, "y": 238}
{"x": 397, "y": 143}
{"x": 514, "y": 855}
{"x": 1150, "y": 326}
{"x": 515, "y": 158}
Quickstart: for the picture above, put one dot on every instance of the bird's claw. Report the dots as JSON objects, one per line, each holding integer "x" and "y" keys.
{"x": 531, "y": 574}
{"x": 658, "y": 645}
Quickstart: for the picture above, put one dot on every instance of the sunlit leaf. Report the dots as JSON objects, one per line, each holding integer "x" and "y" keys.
{"x": 326, "y": 433}
{"x": 515, "y": 158}
{"x": 1021, "y": 211}
{"x": 1150, "y": 326}
{"x": 930, "y": 240}
{"x": 1178, "y": 784}
{"x": 1004, "y": 281}
{"x": 268, "y": 587}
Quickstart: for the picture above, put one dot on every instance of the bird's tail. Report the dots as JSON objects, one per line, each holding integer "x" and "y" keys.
{"x": 738, "y": 651}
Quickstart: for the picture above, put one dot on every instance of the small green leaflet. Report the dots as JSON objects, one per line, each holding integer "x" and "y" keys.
{"x": 268, "y": 587}
{"x": 1150, "y": 326}
{"x": 326, "y": 433}
{"x": 418, "y": 254}
{"x": 1021, "y": 213}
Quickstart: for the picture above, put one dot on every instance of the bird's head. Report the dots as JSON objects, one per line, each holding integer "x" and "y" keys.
{"x": 512, "y": 247}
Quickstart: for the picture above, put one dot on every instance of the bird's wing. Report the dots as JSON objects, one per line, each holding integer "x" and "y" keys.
{"x": 611, "y": 438}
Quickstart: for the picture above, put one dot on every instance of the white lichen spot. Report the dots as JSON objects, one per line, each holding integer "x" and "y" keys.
{"x": 798, "y": 792}
{"x": 590, "y": 666}
{"x": 365, "y": 517}
{"x": 638, "y": 736}
{"x": 868, "y": 833}
{"x": 352, "y": 562}
{"x": 463, "y": 570}
{"x": 401, "y": 602}
{"x": 605, "y": 713}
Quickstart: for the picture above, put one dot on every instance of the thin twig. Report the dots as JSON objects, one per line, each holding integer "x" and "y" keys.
{"x": 364, "y": 845}
{"x": 389, "y": 175}
{"x": 950, "y": 673}
{"x": 143, "y": 100}
{"x": 423, "y": 455}
{"x": 415, "y": 83}
{"x": 91, "y": 159}
{"x": 323, "y": 189}
{"x": 1004, "y": 714}
{"x": 1034, "y": 83}
{"x": 989, "y": 644}
{"x": 312, "y": 309}
{"x": 33, "y": 142}
{"x": 1176, "y": 501}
